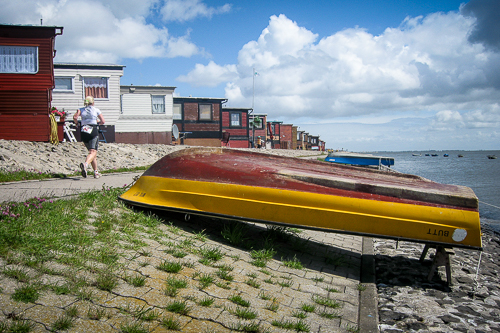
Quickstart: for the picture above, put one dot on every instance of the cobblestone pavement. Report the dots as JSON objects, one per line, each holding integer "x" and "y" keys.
{"x": 279, "y": 296}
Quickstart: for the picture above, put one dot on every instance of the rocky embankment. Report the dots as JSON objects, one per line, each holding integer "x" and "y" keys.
{"x": 65, "y": 157}
{"x": 408, "y": 302}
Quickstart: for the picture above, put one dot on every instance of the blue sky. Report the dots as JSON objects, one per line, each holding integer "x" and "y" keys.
{"x": 364, "y": 75}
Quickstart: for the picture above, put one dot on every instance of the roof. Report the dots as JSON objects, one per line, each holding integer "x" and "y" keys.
{"x": 200, "y": 98}
{"x": 236, "y": 109}
{"x": 71, "y": 65}
{"x": 33, "y": 31}
{"x": 146, "y": 87}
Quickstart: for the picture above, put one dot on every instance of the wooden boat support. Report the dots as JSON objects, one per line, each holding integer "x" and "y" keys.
{"x": 441, "y": 258}
{"x": 251, "y": 186}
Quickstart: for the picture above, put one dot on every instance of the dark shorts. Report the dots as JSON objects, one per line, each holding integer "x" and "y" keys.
{"x": 91, "y": 140}
{"x": 93, "y": 143}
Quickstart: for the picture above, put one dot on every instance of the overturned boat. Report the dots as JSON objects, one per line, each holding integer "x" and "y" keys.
{"x": 251, "y": 186}
{"x": 344, "y": 157}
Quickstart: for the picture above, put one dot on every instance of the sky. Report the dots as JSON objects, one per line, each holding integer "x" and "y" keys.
{"x": 364, "y": 75}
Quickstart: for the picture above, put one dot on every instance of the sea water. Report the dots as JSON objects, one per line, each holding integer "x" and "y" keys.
{"x": 473, "y": 170}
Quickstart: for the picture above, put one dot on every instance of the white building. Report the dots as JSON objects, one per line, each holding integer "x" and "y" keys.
{"x": 102, "y": 81}
{"x": 146, "y": 114}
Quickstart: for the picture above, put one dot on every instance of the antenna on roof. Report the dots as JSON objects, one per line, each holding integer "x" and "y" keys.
{"x": 41, "y": 21}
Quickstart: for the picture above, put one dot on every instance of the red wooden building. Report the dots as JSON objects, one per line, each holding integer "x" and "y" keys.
{"x": 26, "y": 81}
{"x": 235, "y": 125}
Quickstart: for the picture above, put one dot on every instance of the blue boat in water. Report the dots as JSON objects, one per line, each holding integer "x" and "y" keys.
{"x": 343, "y": 157}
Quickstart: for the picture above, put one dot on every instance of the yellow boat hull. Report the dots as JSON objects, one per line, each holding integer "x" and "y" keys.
{"x": 448, "y": 226}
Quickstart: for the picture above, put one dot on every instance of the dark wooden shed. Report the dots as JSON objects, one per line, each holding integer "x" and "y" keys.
{"x": 235, "y": 124}
{"x": 199, "y": 120}
{"x": 26, "y": 81}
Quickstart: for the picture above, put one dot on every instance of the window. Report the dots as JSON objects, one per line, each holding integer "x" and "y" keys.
{"x": 158, "y": 103}
{"x": 18, "y": 59}
{"x": 205, "y": 111}
{"x": 235, "y": 120}
{"x": 64, "y": 84}
{"x": 96, "y": 87}
{"x": 177, "y": 112}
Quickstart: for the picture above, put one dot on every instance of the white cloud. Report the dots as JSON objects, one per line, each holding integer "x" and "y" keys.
{"x": 102, "y": 31}
{"x": 210, "y": 75}
{"x": 447, "y": 120}
{"x": 426, "y": 65}
{"x": 185, "y": 10}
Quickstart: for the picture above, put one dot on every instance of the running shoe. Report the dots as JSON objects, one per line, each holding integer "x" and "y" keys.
{"x": 97, "y": 174}
{"x": 83, "y": 167}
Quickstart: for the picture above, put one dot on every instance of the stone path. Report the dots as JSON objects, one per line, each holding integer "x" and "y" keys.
{"x": 322, "y": 296}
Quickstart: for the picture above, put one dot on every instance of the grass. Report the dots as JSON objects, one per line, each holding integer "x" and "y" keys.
{"x": 26, "y": 294}
{"x": 17, "y": 326}
{"x": 106, "y": 281}
{"x": 273, "y": 306}
{"x": 96, "y": 313}
{"x": 170, "y": 266}
{"x": 294, "y": 263}
{"x": 224, "y": 275}
{"x": 206, "y": 280}
{"x": 329, "y": 315}
{"x": 244, "y": 313}
{"x": 135, "y": 327}
{"x": 253, "y": 327}
{"x": 206, "y": 301}
{"x": 325, "y": 301}
{"x": 20, "y": 274}
{"x": 212, "y": 253}
{"x": 88, "y": 243}
{"x": 253, "y": 283}
{"x": 136, "y": 280}
{"x": 299, "y": 314}
{"x": 308, "y": 307}
{"x": 171, "y": 324}
{"x": 238, "y": 300}
{"x": 361, "y": 287}
{"x": 263, "y": 254}
{"x": 235, "y": 233}
{"x": 179, "y": 307}
{"x": 299, "y": 326}
{"x": 33, "y": 174}
{"x": 62, "y": 323}
{"x": 173, "y": 286}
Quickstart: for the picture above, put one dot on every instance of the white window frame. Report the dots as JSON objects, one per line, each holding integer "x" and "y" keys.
{"x": 18, "y": 59}
{"x": 162, "y": 104}
{"x": 235, "y": 122}
{"x": 72, "y": 84}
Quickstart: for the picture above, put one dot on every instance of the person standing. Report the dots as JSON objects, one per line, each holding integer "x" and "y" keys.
{"x": 91, "y": 118}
